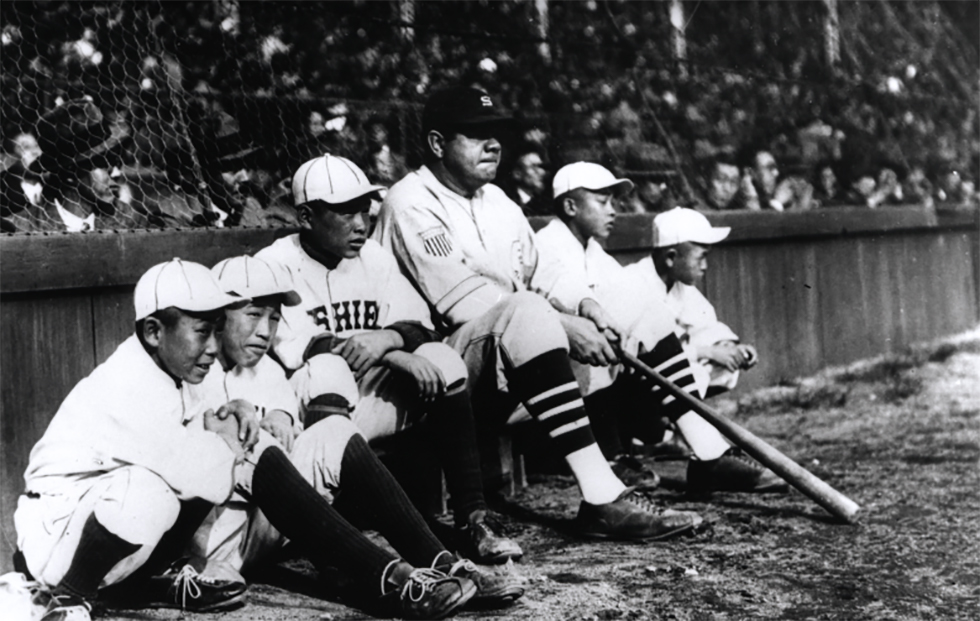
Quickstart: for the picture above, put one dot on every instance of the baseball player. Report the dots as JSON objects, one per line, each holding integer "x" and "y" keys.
{"x": 133, "y": 446}
{"x": 643, "y": 323}
{"x": 471, "y": 252}
{"x": 332, "y": 455}
{"x": 361, "y": 343}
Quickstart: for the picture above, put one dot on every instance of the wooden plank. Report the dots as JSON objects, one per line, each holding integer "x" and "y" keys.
{"x": 46, "y": 349}
{"x": 108, "y": 259}
{"x": 113, "y": 320}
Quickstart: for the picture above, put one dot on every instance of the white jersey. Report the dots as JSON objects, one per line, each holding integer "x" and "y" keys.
{"x": 465, "y": 254}
{"x": 364, "y": 293}
{"x": 130, "y": 412}
{"x": 697, "y": 322}
{"x": 264, "y": 385}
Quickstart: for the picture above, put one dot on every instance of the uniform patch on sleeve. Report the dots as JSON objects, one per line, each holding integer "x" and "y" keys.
{"x": 436, "y": 242}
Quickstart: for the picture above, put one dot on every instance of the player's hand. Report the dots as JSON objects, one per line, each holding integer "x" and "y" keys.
{"x": 592, "y": 310}
{"x": 365, "y": 350}
{"x": 248, "y": 424}
{"x": 279, "y": 425}
{"x": 750, "y": 356}
{"x": 586, "y": 343}
{"x": 427, "y": 376}
{"x": 725, "y": 354}
{"x": 227, "y": 430}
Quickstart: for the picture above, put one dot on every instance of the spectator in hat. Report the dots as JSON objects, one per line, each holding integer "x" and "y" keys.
{"x": 79, "y": 171}
{"x": 524, "y": 184}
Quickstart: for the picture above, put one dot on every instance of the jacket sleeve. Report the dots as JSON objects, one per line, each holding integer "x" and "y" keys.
{"x": 701, "y": 322}
{"x": 433, "y": 260}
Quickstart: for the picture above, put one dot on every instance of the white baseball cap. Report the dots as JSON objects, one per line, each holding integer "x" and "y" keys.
{"x": 589, "y": 176}
{"x": 331, "y": 179}
{"x": 252, "y": 278}
{"x": 182, "y": 284}
{"x": 681, "y": 225}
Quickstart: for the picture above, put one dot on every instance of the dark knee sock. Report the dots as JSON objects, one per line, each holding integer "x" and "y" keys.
{"x": 452, "y": 438}
{"x": 301, "y": 514}
{"x": 669, "y": 359}
{"x": 367, "y": 488}
{"x": 548, "y": 389}
{"x": 604, "y": 416}
{"x": 97, "y": 553}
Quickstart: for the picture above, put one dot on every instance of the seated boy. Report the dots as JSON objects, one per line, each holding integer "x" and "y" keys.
{"x": 331, "y": 454}
{"x": 132, "y": 450}
{"x": 639, "y": 321}
{"x": 361, "y": 343}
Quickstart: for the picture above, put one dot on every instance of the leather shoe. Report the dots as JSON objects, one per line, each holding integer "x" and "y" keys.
{"x": 492, "y": 590}
{"x": 733, "y": 472}
{"x": 633, "y": 517}
{"x": 479, "y": 540}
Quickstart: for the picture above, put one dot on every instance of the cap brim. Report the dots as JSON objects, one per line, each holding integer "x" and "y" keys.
{"x": 343, "y": 199}
{"x": 715, "y": 235}
{"x": 289, "y": 298}
{"x": 620, "y": 188}
{"x": 214, "y": 302}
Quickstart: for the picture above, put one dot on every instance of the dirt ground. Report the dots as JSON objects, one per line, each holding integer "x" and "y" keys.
{"x": 899, "y": 435}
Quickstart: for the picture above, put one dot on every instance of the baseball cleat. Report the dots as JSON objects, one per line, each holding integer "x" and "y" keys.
{"x": 478, "y": 540}
{"x": 64, "y": 607}
{"x": 431, "y": 594}
{"x": 183, "y": 587}
{"x": 733, "y": 472}
{"x": 492, "y": 590}
{"x": 633, "y": 517}
{"x": 633, "y": 472}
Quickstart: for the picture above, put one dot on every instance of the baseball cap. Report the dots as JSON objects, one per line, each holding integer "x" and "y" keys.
{"x": 332, "y": 179}
{"x": 681, "y": 225}
{"x": 252, "y": 278}
{"x": 182, "y": 284}
{"x": 461, "y": 106}
{"x": 589, "y": 176}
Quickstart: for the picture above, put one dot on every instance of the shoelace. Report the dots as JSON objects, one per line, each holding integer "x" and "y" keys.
{"x": 57, "y": 603}
{"x": 642, "y": 501}
{"x": 420, "y": 582}
{"x": 186, "y": 583}
{"x": 463, "y": 564}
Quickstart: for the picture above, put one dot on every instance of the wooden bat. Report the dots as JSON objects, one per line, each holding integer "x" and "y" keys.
{"x": 796, "y": 475}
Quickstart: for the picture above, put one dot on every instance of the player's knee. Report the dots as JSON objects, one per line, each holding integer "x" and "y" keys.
{"x": 319, "y": 452}
{"x": 139, "y": 506}
{"x": 327, "y": 374}
{"x": 533, "y": 323}
{"x": 449, "y": 363}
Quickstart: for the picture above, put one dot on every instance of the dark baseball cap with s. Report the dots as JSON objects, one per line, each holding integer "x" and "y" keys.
{"x": 461, "y": 107}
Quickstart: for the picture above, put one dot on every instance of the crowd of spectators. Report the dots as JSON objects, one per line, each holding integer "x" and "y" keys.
{"x": 80, "y": 170}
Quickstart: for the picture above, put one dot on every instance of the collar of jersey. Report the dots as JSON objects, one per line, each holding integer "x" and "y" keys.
{"x": 435, "y": 185}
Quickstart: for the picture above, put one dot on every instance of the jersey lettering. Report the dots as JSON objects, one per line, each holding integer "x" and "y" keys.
{"x": 347, "y": 315}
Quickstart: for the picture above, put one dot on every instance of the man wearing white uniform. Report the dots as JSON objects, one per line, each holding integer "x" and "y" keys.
{"x": 471, "y": 253}
{"x": 361, "y": 343}
{"x": 644, "y": 324}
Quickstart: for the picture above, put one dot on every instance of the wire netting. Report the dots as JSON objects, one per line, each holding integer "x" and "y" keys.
{"x": 123, "y": 115}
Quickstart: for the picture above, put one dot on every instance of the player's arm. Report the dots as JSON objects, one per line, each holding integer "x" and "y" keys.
{"x": 434, "y": 261}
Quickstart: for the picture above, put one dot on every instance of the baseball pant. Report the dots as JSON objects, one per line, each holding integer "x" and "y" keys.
{"x": 381, "y": 403}
{"x": 131, "y": 502}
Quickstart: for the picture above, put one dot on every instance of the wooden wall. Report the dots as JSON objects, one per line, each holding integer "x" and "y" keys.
{"x": 808, "y": 289}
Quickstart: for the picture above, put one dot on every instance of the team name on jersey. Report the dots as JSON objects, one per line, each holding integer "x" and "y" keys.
{"x": 347, "y": 315}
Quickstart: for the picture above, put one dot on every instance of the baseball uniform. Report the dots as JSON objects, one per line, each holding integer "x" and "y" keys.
{"x": 118, "y": 447}
{"x": 237, "y": 533}
{"x": 360, "y": 294}
{"x": 696, "y": 326}
{"x": 475, "y": 261}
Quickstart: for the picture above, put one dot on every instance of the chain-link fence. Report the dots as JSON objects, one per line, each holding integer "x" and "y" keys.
{"x": 121, "y": 115}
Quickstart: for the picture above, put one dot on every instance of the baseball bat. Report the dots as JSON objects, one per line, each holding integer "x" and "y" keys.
{"x": 796, "y": 475}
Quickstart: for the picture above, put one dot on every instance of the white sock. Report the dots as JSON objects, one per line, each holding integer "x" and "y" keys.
{"x": 598, "y": 483}
{"x": 705, "y": 441}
